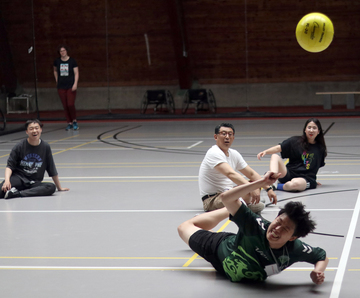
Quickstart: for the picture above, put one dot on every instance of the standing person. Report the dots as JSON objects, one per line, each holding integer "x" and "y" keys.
{"x": 260, "y": 248}
{"x": 306, "y": 155}
{"x": 26, "y": 167}
{"x": 66, "y": 73}
{"x": 219, "y": 172}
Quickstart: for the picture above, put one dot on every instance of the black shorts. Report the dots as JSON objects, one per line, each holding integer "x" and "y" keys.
{"x": 310, "y": 183}
{"x": 206, "y": 243}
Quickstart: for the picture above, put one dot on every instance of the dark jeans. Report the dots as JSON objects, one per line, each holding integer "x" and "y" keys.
{"x": 30, "y": 189}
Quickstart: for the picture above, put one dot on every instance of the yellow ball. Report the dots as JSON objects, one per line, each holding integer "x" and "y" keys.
{"x": 315, "y": 32}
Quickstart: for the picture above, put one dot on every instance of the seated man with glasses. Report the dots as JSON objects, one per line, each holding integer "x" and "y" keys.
{"x": 26, "y": 167}
{"x": 223, "y": 168}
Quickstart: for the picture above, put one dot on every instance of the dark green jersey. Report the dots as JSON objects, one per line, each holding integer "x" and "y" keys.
{"x": 246, "y": 254}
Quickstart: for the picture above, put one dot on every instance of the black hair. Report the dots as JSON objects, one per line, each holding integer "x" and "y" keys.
{"x": 217, "y": 128}
{"x": 63, "y": 46}
{"x": 302, "y": 220}
{"x": 33, "y": 121}
{"x": 319, "y": 138}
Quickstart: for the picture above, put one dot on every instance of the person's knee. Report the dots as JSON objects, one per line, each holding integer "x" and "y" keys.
{"x": 182, "y": 228}
{"x": 275, "y": 157}
{"x": 212, "y": 204}
{"x": 296, "y": 184}
{"x": 50, "y": 188}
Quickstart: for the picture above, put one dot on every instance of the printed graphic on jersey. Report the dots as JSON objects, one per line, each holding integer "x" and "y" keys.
{"x": 64, "y": 69}
{"x": 284, "y": 262}
{"x": 307, "y": 159}
{"x": 241, "y": 265}
{"x": 31, "y": 163}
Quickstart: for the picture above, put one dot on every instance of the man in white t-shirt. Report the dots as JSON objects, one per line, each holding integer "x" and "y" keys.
{"x": 219, "y": 171}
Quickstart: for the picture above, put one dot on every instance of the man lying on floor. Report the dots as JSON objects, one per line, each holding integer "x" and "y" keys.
{"x": 260, "y": 248}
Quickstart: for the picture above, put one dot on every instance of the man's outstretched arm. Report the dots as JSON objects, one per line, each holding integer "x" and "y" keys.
{"x": 231, "y": 197}
{"x": 318, "y": 274}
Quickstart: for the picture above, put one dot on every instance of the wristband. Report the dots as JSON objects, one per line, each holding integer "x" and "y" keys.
{"x": 267, "y": 190}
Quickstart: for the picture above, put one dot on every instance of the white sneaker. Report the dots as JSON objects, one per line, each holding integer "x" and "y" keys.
{"x": 12, "y": 193}
{"x": 275, "y": 184}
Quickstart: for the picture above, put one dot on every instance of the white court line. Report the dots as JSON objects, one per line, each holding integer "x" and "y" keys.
{"x": 97, "y": 211}
{"x": 100, "y": 268}
{"x": 335, "y": 291}
{"x": 193, "y": 145}
{"x": 338, "y": 175}
{"x": 129, "y": 177}
{"x": 144, "y": 211}
{"x": 161, "y": 177}
{"x": 169, "y": 177}
{"x": 130, "y": 268}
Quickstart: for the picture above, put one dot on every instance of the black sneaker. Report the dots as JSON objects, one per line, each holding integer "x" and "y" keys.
{"x": 12, "y": 193}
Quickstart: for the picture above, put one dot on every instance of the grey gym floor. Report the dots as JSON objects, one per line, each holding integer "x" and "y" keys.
{"x": 132, "y": 183}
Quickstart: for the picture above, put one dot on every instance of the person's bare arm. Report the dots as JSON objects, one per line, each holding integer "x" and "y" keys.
{"x": 253, "y": 175}
{"x": 318, "y": 274}
{"x": 225, "y": 169}
{"x": 55, "y": 74}
{"x": 272, "y": 150}
{"x": 76, "y": 73}
{"x": 231, "y": 197}
{"x": 7, "y": 185}
{"x": 58, "y": 184}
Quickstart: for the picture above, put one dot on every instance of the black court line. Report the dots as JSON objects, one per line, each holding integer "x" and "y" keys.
{"x": 331, "y": 125}
{"x": 347, "y": 154}
{"x": 324, "y": 234}
{"x": 314, "y": 194}
{"x": 100, "y": 135}
{"x": 344, "y": 155}
{"x": 136, "y": 146}
{"x": 22, "y": 137}
{"x": 158, "y": 149}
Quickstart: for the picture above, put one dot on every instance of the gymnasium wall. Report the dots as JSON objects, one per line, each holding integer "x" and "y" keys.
{"x": 245, "y": 51}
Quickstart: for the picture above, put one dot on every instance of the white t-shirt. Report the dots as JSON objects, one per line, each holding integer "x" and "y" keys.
{"x": 212, "y": 181}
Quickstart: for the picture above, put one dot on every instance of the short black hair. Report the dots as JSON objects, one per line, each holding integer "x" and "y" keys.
{"x": 217, "y": 128}
{"x": 297, "y": 214}
{"x": 33, "y": 121}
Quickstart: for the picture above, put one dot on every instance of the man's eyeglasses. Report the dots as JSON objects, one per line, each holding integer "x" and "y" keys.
{"x": 225, "y": 133}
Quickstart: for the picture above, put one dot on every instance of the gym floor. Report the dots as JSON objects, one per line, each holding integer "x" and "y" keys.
{"x": 133, "y": 182}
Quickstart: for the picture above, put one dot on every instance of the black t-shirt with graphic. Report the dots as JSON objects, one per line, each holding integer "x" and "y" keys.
{"x": 30, "y": 162}
{"x": 65, "y": 70}
{"x": 303, "y": 163}
{"x": 246, "y": 254}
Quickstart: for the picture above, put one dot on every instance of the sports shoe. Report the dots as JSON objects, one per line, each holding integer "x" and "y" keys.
{"x": 12, "y": 193}
{"x": 69, "y": 127}
{"x": 76, "y": 126}
{"x": 257, "y": 208}
{"x": 274, "y": 186}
